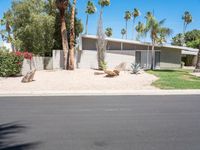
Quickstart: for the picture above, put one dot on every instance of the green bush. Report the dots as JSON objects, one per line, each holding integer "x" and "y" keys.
{"x": 103, "y": 65}
{"x": 10, "y": 63}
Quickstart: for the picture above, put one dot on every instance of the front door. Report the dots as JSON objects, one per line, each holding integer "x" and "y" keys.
{"x": 157, "y": 60}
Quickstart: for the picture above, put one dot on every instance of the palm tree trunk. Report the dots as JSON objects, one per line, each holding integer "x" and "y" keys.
{"x": 126, "y": 29}
{"x": 133, "y": 29}
{"x": 197, "y": 68}
{"x": 72, "y": 37}
{"x": 86, "y": 26}
{"x": 64, "y": 37}
{"x": 153, "y": 55}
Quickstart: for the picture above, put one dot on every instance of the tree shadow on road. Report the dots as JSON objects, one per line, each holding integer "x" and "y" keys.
{"x": 7, "y": 133}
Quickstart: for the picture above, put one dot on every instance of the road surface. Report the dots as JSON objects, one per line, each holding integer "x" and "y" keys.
{"x": 100, "y": 123}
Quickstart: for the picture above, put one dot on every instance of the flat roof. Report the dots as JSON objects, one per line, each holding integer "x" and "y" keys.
{"x": 141, "y": 43}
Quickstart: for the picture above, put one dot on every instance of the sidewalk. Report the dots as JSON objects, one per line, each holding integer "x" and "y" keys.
{"x": 100, "y": 93}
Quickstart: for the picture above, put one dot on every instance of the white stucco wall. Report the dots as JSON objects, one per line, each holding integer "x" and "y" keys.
{"x": 89, "y": 59}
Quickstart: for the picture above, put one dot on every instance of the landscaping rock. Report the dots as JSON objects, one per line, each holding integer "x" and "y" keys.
{"x": 111, "y": 73}
{"x": 29, "y": 76}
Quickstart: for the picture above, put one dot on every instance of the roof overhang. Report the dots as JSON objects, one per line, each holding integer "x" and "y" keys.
{"x": 186, "y": 50}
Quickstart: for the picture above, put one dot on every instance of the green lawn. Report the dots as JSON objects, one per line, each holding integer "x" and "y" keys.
{"x": 175, "y": 79}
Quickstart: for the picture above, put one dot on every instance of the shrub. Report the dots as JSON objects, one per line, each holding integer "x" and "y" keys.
{"x": 103, "y": 65}
{"x": 10, "y": 63}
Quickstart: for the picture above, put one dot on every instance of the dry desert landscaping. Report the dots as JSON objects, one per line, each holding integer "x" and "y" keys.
{"x": 78, "y": 80}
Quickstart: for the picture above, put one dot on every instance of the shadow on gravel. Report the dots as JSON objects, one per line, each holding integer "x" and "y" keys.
{"x": 8, "y": 132}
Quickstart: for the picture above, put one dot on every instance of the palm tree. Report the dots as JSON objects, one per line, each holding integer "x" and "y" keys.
{"x": 103, "y": 3}
{"x": 62, "y": 5}
{"x": 72, "y": 37}
{"x": 157, "y": 31}
{"x": 148, "y": 16}
{"x": 109, "y": 32}
{"x": 140, "y": 28}
{"x": 187, "y": 19}
{"x": 123, "y": 32}
{"x": 127, "y": 17}
{"x": 91, "y": 9}
{"x": 6, "y": 33}
{"x": 135, "y": 14}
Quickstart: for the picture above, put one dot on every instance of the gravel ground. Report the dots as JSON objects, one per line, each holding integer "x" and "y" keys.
{"x": 78, "y": 80}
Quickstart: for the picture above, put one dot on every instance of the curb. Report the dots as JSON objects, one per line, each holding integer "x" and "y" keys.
{"x": 100, "y": 93}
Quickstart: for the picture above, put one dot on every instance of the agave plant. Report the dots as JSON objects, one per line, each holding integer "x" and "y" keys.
{"x": 135, "y": 68}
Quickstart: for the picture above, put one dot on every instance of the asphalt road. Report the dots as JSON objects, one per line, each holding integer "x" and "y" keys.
{"x": 100, "y": 123}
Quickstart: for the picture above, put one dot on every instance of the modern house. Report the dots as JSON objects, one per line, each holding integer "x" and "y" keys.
{"x": 120, "y": 50}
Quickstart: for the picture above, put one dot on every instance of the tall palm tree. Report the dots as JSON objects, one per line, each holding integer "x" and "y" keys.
{"x": 157, "y": 31}
{"x": 135, "y": 14}
{"x": 6, "y": 33}
{"x": 103, "y": 3}
{"x": 91, "y": 9}
{"x": 148, "y": 16}
{"x": 72, "y": 37}
{"x": 187, "y": 19}
{"x": 109, "y": 32}
{"x": 62, "y": 5}
{"x": 127, "y": 17}
{"x": 140, "y": 28}
{"x": 123, "y": 32}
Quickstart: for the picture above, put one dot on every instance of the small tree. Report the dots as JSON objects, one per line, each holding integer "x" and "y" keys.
{"x": 108, "y": 32}
{"x": 157, "y": 32}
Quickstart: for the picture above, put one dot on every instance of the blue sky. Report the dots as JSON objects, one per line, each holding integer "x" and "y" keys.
{"x": 113, "y": 15}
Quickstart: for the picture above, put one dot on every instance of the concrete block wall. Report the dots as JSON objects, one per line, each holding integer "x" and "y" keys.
{"x": 38, "y": 63}
{"x": 58, "y": 59}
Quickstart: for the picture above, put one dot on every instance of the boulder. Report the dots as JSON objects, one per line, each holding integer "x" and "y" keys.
{"x": 29, "y": 76}
{"x": 111, "y": 73}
